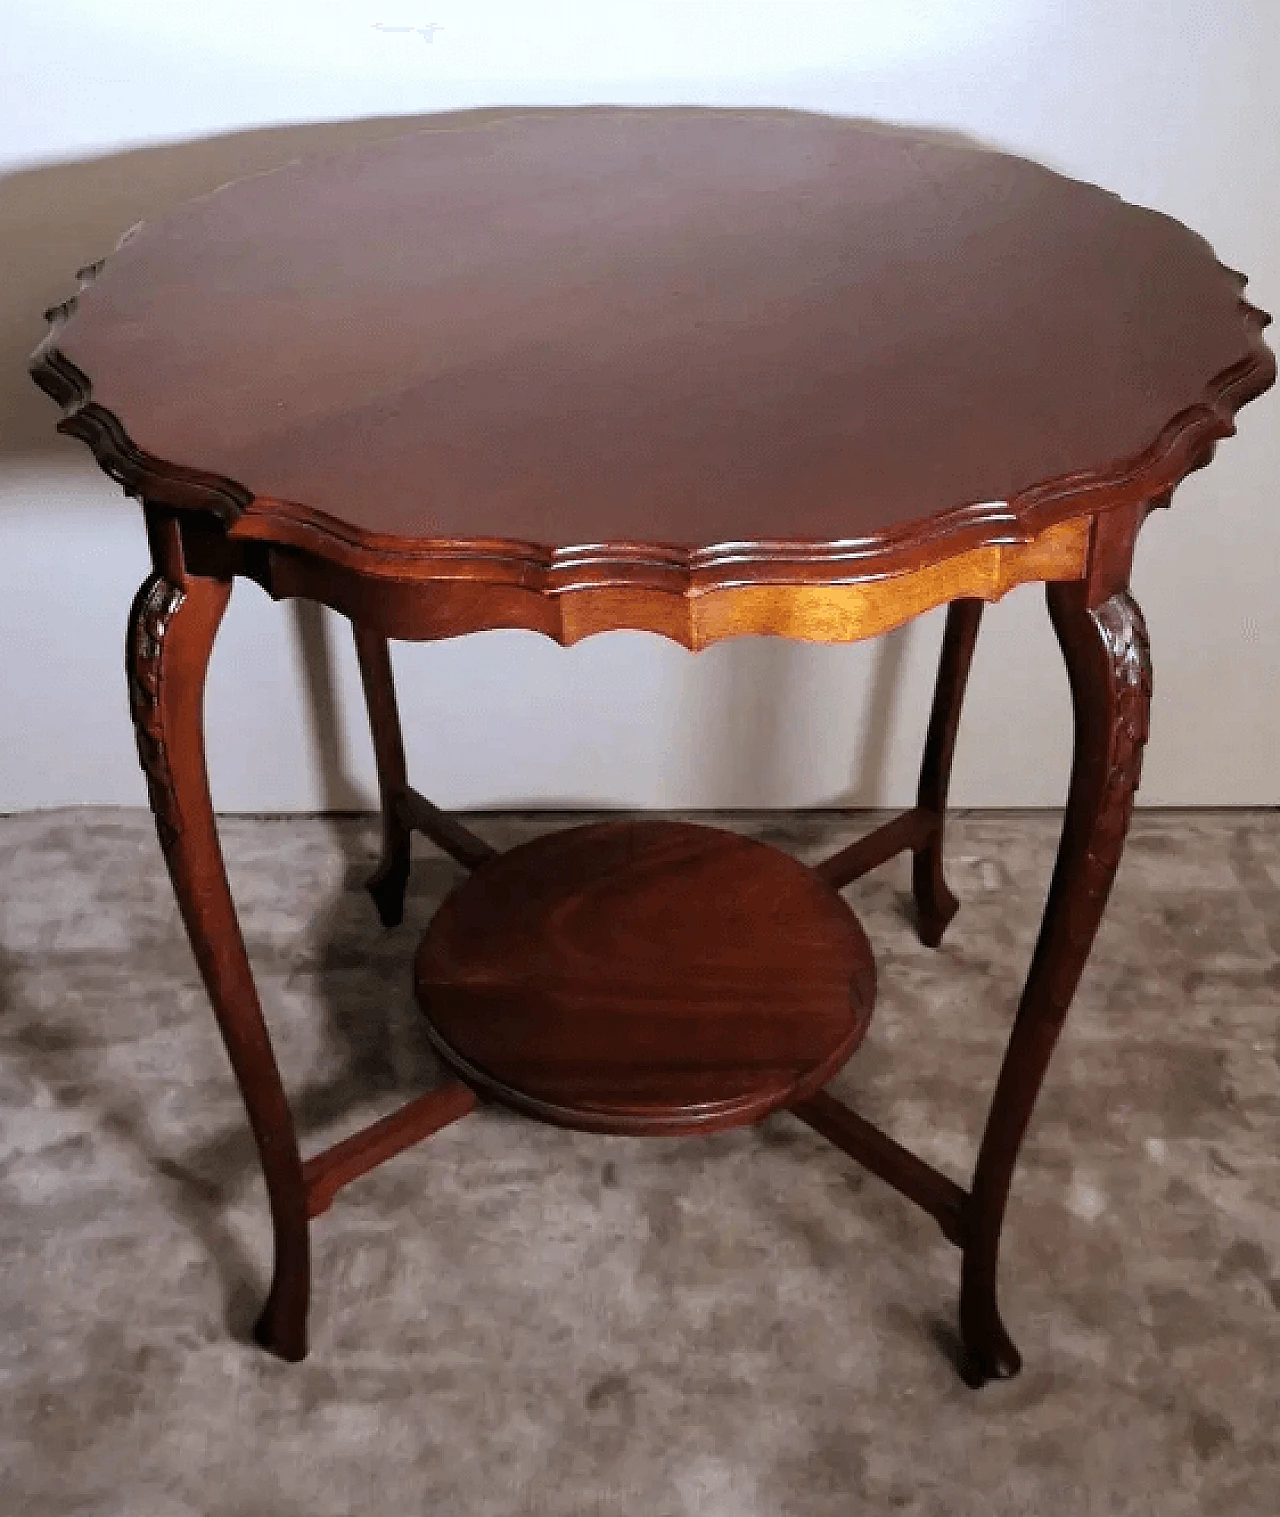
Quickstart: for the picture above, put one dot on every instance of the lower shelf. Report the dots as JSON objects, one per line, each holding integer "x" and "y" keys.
{"x": 645, "y": 977}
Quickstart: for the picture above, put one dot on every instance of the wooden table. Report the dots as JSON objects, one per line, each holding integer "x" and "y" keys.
{"x": 701, "y": 373}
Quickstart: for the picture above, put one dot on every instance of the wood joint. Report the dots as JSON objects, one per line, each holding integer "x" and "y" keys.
{"x": 912, "y": 830}
{"x": 324, "y": 1175}
{"x": 910, "y": 1175}
{"x": 417, "y": 812}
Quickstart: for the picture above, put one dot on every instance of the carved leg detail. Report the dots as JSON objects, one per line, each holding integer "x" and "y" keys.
{"x": 171, "y": 633}
{"x": 935, "y": 904}
{"x": 1109, "y": 666}
{"x": 390, "y": 879}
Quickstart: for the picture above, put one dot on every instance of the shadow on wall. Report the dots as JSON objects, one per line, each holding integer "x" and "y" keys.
{"x": 58, "y": 217}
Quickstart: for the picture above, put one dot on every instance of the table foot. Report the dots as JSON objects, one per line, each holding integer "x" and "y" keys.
{"x": 936, "y": 905}
{"x": 645, "y": 977}
{"x": 989, "y": 1354}
{"x": 388, "y": 883}
{"x": 282, "y": 1327}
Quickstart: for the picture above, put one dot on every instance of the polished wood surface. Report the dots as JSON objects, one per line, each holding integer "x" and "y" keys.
{"x": 404, "y": 598}
{"x": 1108, "y": 663}
{"x": 591, "y": 355}
{"x": 704, "y": 373}
{"x": 645, "y": 977}
{"x": 172, "y": 625}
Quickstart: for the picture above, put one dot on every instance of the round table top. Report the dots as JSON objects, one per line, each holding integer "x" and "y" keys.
{"x": 670, "y": 327}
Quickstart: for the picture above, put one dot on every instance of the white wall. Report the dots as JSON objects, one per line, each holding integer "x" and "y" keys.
{"x": 112, "y": 110}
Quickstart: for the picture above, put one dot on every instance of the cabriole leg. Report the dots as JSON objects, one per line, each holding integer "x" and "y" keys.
{"x": 1109, "y": 667}
{"x": 935, "y": 904}
{"x": 390, "y": 879}
{"x": 171, "y": 631}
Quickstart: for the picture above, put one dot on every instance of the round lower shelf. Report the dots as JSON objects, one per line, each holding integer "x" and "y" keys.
{"x": 645, "y": 977}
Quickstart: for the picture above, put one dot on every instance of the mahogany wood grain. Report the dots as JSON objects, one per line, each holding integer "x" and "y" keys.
{"x": 697, "y": 371}
{"x": 410, "y": 600}
{"x": 645, "y": 977}
{"x": 326, "y": 1173}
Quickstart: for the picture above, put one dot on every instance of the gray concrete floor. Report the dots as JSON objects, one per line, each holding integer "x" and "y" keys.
{"x": 515, "y": 1320}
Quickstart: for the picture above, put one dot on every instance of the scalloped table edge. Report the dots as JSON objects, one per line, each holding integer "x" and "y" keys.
{"x": 694, "y": 595}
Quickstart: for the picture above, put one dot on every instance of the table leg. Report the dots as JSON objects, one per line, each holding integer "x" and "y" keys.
{"x": 171, "y": 631}
{"x": 390, "y": 879}
{"x": 1109, "y": 667}
{"x": 935, "y": 904}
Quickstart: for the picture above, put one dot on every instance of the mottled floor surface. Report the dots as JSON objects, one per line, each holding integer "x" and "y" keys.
{"x": 514, "y": 1320}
